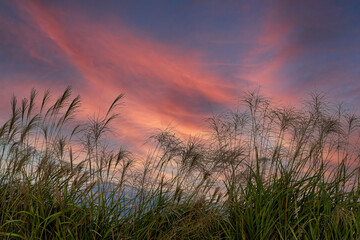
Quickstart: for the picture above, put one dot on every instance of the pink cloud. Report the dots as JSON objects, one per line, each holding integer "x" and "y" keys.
{"x": 161, "y": 83}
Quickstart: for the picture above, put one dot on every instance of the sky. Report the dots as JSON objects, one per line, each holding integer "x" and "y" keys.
{"x": 178, "y": 62}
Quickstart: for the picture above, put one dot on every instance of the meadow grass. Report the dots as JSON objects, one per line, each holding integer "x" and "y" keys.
{"x": 259, "y": 172}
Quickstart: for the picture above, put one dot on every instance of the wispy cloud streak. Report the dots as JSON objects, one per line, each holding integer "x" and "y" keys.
{"x": 181, "y": 78}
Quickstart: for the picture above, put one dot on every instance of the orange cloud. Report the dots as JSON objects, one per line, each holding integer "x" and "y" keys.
{"x": 161, "y": 83}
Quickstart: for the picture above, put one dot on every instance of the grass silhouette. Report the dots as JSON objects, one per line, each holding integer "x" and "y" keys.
{"x": 261, "y": 172}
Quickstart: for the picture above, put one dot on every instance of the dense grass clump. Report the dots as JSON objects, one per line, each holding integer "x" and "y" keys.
{"x": 260, "y": 172}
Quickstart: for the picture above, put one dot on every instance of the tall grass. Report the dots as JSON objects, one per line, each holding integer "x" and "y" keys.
{"x": 260, "y": 172}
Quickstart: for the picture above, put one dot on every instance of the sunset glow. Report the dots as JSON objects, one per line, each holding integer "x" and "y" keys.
{"x": 178, "y": 62}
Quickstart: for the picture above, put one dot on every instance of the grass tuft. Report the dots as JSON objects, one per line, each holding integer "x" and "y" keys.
{"x": 260, "y": 172}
